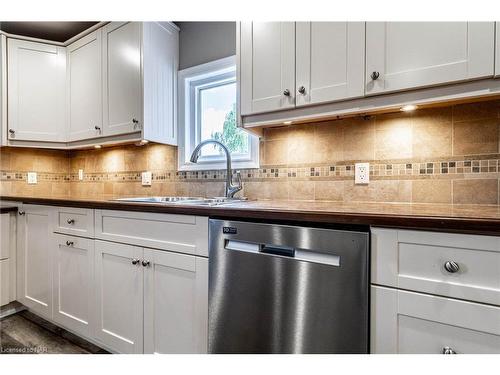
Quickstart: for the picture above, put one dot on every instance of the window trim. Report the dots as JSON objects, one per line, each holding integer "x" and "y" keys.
{"x": 189, "y": 82}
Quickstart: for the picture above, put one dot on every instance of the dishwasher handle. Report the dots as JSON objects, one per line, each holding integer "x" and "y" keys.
{"x": 298, "y": 254}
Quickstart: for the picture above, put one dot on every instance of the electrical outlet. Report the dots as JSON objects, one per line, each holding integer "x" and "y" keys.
{"x": 80, "y": 174}
{"x": 32, "y": 178}
{"x": 361, "y": 173}
{"x": 146, "y": 178}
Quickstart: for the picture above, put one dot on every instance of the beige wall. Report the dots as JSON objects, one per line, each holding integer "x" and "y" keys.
{"x": 437, "y": 155}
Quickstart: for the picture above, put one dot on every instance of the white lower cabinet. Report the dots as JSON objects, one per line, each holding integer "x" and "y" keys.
{"x": 73, "y": 275}
{"x": 175, "y": 303}
{"x": 150, "y": 301}
{"x": 408, "y": 322}
{"x": 34, "y": 283}
{"x": 119, "y": 296}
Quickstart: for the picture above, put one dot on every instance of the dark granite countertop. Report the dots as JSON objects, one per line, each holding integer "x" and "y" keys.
{"x": 480, "y": 219}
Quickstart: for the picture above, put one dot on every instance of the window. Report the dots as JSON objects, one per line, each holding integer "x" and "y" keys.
{"x": 207, "y": 110}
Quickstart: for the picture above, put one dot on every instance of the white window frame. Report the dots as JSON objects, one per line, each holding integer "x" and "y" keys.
{"x": 191, "y": 81}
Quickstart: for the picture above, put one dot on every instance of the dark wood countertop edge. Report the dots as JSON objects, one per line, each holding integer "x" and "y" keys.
{"x": 430, "y": 223}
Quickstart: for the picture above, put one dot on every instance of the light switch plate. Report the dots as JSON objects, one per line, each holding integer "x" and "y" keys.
{"x": 32, "y": 178}
{"x": 80, "y": 174}
{"x": 146, "y": 178}
{"x": 361, "y": 173}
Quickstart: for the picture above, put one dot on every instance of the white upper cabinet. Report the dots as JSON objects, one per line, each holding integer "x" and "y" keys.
{"x": 161, "y": 63}
{"x": 497, "y": 50}
{"x": 122, "y": 77}
{"x": 36, "y": 90}
{"x": 405, "y": 55}
{"x": 267, "y": 66}
{"x": 330, "y": 58}
{"x": 3, "y": 90}
{"x": 140, "y": 79}
{"x": 84, "y": 80}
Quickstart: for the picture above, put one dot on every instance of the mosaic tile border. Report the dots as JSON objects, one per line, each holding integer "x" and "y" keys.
{"x": 340, "y": 170}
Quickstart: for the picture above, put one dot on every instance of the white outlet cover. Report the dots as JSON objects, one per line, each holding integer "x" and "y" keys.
{"x": 361, "y": 173}
{"x": 32, "y": 178}
{"x": 146, "y": 178}
{"x": 80, "y": 174}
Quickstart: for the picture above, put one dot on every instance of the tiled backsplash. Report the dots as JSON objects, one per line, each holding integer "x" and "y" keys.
{"x": 436, "y": 155}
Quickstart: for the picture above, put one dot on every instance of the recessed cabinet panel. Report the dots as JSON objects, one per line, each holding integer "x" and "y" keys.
{"x": 403, "y": 55}
{"x": 85, "y": 87}
{"x": 267, "y": 66}
{"x": 122, "y": 82}
{"x": 119, "y": 296}
{"x": 330, "y": 61}
{"x": 34, "y": 259}
{"x": 36, "y": 90}
{"x": 73, "y": 275}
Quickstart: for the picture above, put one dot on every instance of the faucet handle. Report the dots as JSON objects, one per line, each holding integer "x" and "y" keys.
{"x": 238, "y": 179}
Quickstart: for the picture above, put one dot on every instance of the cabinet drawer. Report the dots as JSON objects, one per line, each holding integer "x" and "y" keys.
{"x": 75, "y": 221}
{"x": 407, "y": 322}
{"x": 179, "y": 233}
{"x": 417, "y": 261}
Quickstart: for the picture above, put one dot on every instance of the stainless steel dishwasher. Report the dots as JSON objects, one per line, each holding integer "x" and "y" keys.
{"x": 287, "y": 289}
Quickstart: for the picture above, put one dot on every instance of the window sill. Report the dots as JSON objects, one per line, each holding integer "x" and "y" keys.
{"x": 235, "y": 165}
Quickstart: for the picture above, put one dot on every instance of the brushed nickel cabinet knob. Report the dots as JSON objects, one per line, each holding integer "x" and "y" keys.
{"x": 375, "y": 75}
{"x": 70, "y": 221}
{"x": 286, "y": 92}
{"x": 451, "y": 267}
{"x": 69, "y": 243}
{"x": 448, "y": 350}
{"x": 302, "y": 90}
{"x": 135, "y": 261}
{"x": 145, "y": 263}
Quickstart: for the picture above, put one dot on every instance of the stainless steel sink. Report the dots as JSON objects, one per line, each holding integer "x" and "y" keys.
{"x": 197, "y": 201}
{"x": 160, "y": 199}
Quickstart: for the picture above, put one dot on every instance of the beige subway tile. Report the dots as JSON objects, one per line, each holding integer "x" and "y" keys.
{"x": 22, "y": 160}
{"x": 476, "y": 137}
{"x": 215, "y": 189}
{"x": 329, "y": 190}
{"x": 301, "y": 144}
{"x": 113, "y": 160}
{"x": 135, "y": 159}
{"x": 328, "y": 142}
{"x": 161, "y": 157}
{"x": 60, "y": 189}
{"x": 393, "y": 137}
{"x": 276, "y": 133}
{"x": 276, "y": 152}
{"x": 359, "y": 139}
{"x": 5, "y": 157}
{"x": 476, "y": 111}
{"x": 301, "y": 190}
{"x": 432, "y": 133}
{"x": 378, "y": 191}
{"x": 475, "y": 191}
{"x": 431, "y": 191}
{"x": 6, "y": 188}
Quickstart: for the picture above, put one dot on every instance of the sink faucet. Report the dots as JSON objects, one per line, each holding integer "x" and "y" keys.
{"x": 230, "y": 188}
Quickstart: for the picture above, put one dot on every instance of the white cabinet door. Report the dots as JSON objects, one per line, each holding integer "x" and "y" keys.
{"x": 175, "y": 303}
{"x": 330, "y": 59}
{"x": 34, "y": 269}
{"x": 84, "y": 81}
{"x": 122, "y": 81}
{"x": 73, "y": 282}
{"x": 119, "y": 296}
{"x": 497, "y": 50}
{"x": 36, "y": 89}
{"x": 161, "y": 55}
{"x": 3, "y": 90}
{"x": 417, "y": 54}
{"x": 407, "y": 322}
{"x": 267, "y": 66}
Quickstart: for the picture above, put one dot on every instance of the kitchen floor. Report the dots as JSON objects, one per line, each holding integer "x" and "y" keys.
{"x": 26, "y": 333}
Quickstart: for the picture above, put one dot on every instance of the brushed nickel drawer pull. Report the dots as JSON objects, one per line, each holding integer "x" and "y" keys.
{"x": 70, "y": 221}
